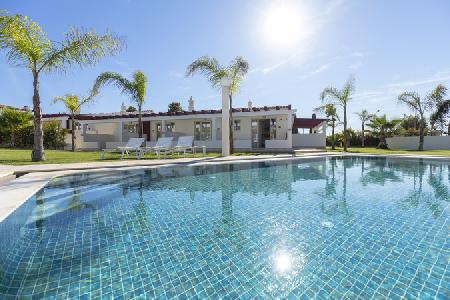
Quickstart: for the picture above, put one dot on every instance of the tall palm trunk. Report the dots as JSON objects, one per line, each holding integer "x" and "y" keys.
{"x": 345, "y": 127}
{"x": 231, "y": 124}
{"x": 421, "y": 130}
{"x": 38, "y": 146}
{"x": 140, "y": 120}
{"x": 382, "y": 144}
{"x": 73, "y": 132}
{"x": 362, "y": 135}
{"x": 333, "y": 141}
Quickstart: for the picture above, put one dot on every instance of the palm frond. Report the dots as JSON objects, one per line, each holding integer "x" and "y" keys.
{"x": 330, "y": 93}
{"x": 83, "y": 48}
{"x": 140, "y": 83}
{"x": 237, "y": 70}
{"x": 442, "y": 111}
{"x": 70, "y": 101}
{"x": 438, "y": 94}
{"x": 412, "y": 100}
{"x": 105, "y": 78}
{"x": 348, "y": 89}
{"x": 23, "y": 40}
{"x": 207, "y": 66}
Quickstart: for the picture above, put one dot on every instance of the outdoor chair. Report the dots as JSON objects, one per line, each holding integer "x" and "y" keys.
{"x": 164, "y": 144}
{"x": 133, "y": 144}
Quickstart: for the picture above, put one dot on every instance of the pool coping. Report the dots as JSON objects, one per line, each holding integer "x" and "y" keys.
{"x": 19, "y": 190}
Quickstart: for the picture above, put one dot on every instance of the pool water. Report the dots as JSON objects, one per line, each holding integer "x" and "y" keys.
{"x": 319, "y": 228}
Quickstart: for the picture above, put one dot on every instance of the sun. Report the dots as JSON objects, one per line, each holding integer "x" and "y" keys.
{"x": 283, "y": 24}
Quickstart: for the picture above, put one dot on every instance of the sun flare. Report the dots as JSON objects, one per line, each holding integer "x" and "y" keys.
{"x": 283, "y": 24}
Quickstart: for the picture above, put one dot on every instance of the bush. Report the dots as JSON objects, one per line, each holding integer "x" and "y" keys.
{"x": 23, "y": 136}
{"x": 54, "y": 136}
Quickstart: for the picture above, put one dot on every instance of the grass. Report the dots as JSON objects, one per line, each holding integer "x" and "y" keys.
{"x": 23, "y": 157}
{"x": 384, "y": 151}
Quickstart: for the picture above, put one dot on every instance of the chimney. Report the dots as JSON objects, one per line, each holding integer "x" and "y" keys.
{"x": 123, "y": 108}
{"x": 191, "y": 104}
{"x": 250, "y": 104}
{"x": 314, "y": 116}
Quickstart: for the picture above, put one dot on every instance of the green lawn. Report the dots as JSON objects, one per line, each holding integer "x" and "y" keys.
{"x": 23, "y": 157}
{"x": 383, "y": 151}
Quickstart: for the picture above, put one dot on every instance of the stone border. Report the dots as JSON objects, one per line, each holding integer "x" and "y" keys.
{"x": 18, "y": 191}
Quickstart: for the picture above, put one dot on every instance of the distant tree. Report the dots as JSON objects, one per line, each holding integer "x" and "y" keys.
{"x": 73, "y": 104}
{"x": 341, "y": 98}
{"x": 135, "y": 88}
{"x": 131, "y": 109}
{"x": 382, "y": 127}
{"x": 364, "y": 117}
{"x": 410, "y": 122}
{"x": 331, "y": 113}
{"x": 10, "y": 121}
{"x": 175, "y": 107}
{"x": 211, "y": 68}
{"x": 421, "y": 105}
{"x": 27, "y": 45}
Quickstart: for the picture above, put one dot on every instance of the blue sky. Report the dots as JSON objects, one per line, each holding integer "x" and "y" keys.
{"x": 389, "y": 46}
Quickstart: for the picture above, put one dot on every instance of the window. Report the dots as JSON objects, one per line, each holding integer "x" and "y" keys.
{"x": 158, "y": 130}
{"x": 273, "y": 129}
{"x": 170, "y": 127}
{"x": 237, "y": 125}
{"x": 202, "y": 131}
{"x": 130, "y": 127}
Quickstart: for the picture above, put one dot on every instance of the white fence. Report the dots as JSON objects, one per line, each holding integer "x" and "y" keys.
{"x": 314, "y": 140}
{"x": 412, "y": 142}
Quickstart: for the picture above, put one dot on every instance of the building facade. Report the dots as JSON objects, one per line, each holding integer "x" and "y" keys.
{"x": 271, "y": 129}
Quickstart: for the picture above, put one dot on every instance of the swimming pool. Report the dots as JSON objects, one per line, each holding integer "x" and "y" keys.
{"x": 325, "y": 227}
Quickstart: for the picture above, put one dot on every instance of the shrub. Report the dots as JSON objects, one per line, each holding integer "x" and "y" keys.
{"x": 23, "y": 136}
{"x": 54, "y": 136}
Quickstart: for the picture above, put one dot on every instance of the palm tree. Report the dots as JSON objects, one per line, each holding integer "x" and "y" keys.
{"x": 381, "y": 126}
{"x": 73, "y": 104}
{"x": 331, "y": 113}
{"x": 420, "y": 106}
{"x": 135, "y": 88}
{"x": 442, "y": 111}
{"x": 211, "y": 68}
{"x": 27, "y": 45}
{"x": 364, "y": 117}
{"x": 440, "y": 107}
{"x": 341, "y": 98}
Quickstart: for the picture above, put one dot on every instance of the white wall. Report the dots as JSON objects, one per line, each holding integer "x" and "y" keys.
{"x": 412, "y": 142}
{"x": 315, "y": 140}
{"x": 277, "y": 144}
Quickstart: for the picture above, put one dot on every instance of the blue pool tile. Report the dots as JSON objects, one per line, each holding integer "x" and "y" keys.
{"x": 347, "y": 228}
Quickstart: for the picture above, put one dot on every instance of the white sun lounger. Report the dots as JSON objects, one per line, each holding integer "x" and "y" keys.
{"x": 133, "y": 144}
{"x": 186, "y": 144}
{"x": 164, "y": 144}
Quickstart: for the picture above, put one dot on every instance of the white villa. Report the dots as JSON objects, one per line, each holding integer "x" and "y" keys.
{"x": 274, "y": 128}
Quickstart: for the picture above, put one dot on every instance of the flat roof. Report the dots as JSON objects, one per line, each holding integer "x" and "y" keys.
{"x": 165, "y": 114}
{"x": 307, "y": 122}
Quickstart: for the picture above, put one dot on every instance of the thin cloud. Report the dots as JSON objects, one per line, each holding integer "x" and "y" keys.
{"x": 438, "y": 77}
{"x": 275, "y": 66}
{"x": 356, "y": 65}
{"x": 359, "y": 54}
{"x": 392, "y": 90}
{"x": 319, "y": 70}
